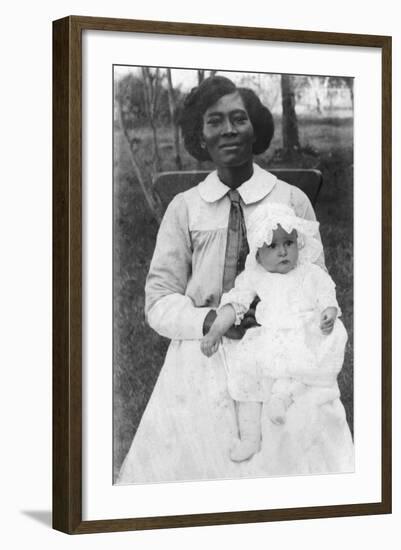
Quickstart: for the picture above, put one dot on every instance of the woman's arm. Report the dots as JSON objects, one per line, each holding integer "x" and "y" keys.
{"x": 168, "y": 311}
{"x": 225, "y": 318}
{"x": 239, "y": 298}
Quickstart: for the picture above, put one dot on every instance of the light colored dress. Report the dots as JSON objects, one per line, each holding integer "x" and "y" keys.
{"x": 289, "y": 343}
{"x": 190, "y": 420}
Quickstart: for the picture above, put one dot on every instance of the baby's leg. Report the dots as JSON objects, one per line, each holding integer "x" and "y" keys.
{"x": 280, "y": 400}
{"x": 277, "y": 407}
{"x": 250, "y": 431}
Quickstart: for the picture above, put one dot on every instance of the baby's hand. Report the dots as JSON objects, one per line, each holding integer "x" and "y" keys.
{"x": 209, "y": 345}
{"x": 327, "y": 319}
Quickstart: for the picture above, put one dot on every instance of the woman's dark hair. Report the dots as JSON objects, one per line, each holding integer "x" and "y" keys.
{"x": 203, "y": 96}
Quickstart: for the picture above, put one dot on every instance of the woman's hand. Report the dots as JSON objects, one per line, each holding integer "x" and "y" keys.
{"x": 249, "y": 320}
{"x": 327, "y": 319}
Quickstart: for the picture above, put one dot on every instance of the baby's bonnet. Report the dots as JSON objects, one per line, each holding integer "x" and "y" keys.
{"x": 267, "y": 217}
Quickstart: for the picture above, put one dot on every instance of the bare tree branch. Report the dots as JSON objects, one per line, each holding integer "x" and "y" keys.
{"x": 290, "y": 122}
{"x": 173, "y": 109}
{"x": 152, "y": 202}
{"x": 151, "y": 85}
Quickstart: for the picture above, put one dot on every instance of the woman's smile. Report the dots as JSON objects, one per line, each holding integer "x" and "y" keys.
{"x": 230, "y": 147}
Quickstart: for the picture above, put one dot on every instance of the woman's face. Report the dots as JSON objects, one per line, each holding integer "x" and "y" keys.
{"x": 228, "y": 132}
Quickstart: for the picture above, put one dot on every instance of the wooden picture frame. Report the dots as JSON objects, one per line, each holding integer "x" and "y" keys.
{"x": 67, "y": 273}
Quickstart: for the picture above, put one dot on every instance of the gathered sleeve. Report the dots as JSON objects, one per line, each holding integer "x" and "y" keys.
{"x": 168, "y": 311}
{"x": 241, "y": 296}
{"x": 329, "y": 349}
{"x": 304, "y": 209}
{"x": 325, "y": 289}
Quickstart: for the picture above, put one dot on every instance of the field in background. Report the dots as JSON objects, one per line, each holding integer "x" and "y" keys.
{"x": 138, "y": 351}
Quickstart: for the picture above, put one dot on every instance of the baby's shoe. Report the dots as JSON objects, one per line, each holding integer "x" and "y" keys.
{"x": 243, "y": 449}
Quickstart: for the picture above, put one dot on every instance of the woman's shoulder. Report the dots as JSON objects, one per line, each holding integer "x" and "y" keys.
{"x": 182, "y": 202}
{"x": 288, "y": 194}
{"x": 190, "y": 209}
{"x": 297, "y": 196}
{"x": 178, "y": 212}
{"x": 185, "y": 197}
{"x": 191, "y": 198}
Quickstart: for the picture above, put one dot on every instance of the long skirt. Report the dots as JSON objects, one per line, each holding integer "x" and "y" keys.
{"x": 190, "y": 424}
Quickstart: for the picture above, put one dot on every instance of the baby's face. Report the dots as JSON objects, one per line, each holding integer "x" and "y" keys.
{"x": 281, "y": 255}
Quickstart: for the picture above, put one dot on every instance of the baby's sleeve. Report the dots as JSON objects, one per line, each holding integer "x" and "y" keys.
{"x": 325, "y": 289}
{"x": 241, "y": 296}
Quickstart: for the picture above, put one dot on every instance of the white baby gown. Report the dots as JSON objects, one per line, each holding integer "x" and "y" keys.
{"x": 289, "y": 342}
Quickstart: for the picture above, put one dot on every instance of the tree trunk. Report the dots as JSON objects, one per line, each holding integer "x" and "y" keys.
{"x": 315, "y": 84}
{"x": 201, "y": 76}
{"x": 289, "y": 121}
{"x": 173, "y": 109}
{"x": 151, "y": 88}
{"x": 153, "y": 204}
{"x": 350, "y": 84}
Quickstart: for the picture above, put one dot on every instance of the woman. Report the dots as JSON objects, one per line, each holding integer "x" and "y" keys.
{"x": 190, "y": 420}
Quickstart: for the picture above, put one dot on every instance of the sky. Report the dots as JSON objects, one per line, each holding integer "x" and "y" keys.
{"x": 186, "y": 78}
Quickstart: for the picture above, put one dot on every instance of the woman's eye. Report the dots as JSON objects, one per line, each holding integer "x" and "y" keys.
{"x": 213, "y": 121}
{"x": 241, "y": 119}
{"x": 289, "y": 243}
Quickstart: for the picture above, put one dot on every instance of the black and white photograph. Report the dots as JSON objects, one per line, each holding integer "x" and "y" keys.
{"x": 199, "y": 283}
{"x": 233, "y": 270}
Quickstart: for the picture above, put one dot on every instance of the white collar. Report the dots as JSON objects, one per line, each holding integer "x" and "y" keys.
{"x": 256, "y": 188}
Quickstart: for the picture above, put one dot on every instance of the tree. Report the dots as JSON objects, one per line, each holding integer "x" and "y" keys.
{"x": 289, "y": 120}
{"x": 349, "y": 82}
{"x": 128, "y": 113}
{"x": 344, "y": 82}
{"x": 152, "y": 85}
{"x": 319, "y": 86}
{"x": 173, "y": 115}
{"x": 202, "y": 74}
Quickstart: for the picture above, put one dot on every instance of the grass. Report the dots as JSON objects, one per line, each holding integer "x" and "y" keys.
{"x": 138, "y": 351}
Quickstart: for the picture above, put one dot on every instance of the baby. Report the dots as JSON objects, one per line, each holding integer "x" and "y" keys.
{"x": 299, "y": 342}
